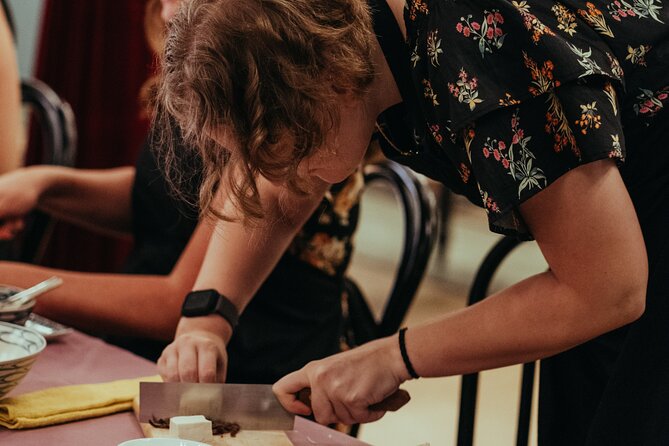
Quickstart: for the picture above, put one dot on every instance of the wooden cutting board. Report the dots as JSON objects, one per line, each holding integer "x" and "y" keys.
{"x": 243, "y": 438}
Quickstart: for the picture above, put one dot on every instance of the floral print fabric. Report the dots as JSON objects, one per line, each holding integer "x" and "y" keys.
{"x": 326, "y": 241}
{"x": 510, "y": 95}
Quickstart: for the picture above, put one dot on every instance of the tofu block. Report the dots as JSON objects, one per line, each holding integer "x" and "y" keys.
{"x": 196, "y": 428}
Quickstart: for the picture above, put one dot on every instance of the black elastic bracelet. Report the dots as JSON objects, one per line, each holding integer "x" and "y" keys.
{"x": 405, "y": 356}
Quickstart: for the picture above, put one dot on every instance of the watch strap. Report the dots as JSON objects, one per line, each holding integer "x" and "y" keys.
{"x": 206, "y": 302}
{"x": 226, "y": 309}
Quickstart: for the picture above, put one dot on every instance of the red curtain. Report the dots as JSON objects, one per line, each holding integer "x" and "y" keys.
{"x": 93, "y": 53}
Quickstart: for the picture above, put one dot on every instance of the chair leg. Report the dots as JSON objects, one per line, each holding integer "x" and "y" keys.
{"x": 478, "y": 292}
{"x": 525, "y": 410}
{"x": 468, "y": 391}
{"x": 445, "y": 204}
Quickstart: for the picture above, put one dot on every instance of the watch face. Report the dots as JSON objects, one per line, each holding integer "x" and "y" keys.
{"x": 199, "y": 303}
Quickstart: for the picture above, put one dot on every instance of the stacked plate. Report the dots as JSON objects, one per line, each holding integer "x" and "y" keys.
{"x": 11, "y": 311}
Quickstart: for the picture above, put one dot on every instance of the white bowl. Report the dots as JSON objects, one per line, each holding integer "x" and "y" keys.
{"x": 161, "y": 442}
{"x": 12, "y": 313}
{"x": 19, "y": 348}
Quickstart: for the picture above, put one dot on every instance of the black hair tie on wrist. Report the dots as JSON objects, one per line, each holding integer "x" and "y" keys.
{"x": 405, "y": 356}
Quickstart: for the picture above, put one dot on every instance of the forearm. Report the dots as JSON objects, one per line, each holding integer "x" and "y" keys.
{"x": 587, "y": 291}
{"x": 533, "y": 319}
{"x": 11, "y": 127}
{"x": 95, "y": 199}
{"x": 240, "y": 257}
{"x": 128, "y": 305}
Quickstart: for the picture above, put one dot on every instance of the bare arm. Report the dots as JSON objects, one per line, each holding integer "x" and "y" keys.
{"x": 584, "y": 224}
{"x": 588, "y": 290}
{"x": 131, "y": 305}
{"x": 94, "y": 199}
{"x": 238, "y": 260}
{"x": 11, "y": 128}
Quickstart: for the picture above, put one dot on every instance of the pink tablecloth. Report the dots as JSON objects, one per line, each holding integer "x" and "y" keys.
{"x": 80, "y": 359}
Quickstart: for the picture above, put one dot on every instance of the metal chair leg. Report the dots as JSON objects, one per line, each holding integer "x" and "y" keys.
{"x": 479, "y": 290}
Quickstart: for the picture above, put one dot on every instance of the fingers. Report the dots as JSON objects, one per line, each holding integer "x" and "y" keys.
{"x": 322, "y": 407}
{"x": 286, "y": 390}
{"x": 187, "y": 364}
{"x": 168, "y": 364}
{"x": 342, "y": 413}
{"x": 207, "y": 364}
{"x": 193, "y": 360}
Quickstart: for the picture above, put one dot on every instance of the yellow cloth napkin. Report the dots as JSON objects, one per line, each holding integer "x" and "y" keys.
{"x": 69, "y": 403}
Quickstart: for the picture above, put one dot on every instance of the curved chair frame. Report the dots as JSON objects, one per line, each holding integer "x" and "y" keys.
{"x": 57, "y": 123}
{"x": 469, "y": 386}
{"x": 59, "y": 141}
{"x": 420, "y": 234}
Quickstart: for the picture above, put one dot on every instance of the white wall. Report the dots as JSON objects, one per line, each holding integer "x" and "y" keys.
{"x": 27, "y": 19}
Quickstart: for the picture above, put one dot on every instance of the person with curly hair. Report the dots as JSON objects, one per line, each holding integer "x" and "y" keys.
{"x": 549, "y": 115}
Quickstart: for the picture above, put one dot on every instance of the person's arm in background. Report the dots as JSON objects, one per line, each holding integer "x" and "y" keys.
{"x": 11, "y": 123}
{"x": 117, "y": 304}
{"x": 239, "y": 258}
{"x": 95, "y": 199}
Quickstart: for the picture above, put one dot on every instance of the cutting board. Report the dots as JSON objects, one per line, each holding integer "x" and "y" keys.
{"x": 243, "y": 438}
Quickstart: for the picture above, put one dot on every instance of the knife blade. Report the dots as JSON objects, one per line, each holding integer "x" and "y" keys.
{"x": 252, "y": 406}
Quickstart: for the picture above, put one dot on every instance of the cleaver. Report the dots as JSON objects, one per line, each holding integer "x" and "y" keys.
{"x": 252, "y": 406}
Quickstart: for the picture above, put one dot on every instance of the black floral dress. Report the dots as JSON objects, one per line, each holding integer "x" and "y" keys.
{"x": 503, "y": 98}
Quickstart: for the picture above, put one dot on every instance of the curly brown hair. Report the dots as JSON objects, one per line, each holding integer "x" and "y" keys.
{"x": 154, "y": 32}
{"x": 268, "y": 71}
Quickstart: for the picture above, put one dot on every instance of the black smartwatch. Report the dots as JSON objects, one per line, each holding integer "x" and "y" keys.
{"x": 205, "y": 302}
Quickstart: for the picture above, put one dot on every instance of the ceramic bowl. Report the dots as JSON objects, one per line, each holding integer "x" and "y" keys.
{"x": 12, "y": 313}
{"x": 161, "y": 442}
{"x": 19, "y": 347}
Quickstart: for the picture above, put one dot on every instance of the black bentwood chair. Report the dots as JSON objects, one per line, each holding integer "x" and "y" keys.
{"x": 57, "y": 133}
{"x": 420, "y": 233}
{"x": 469, "y": 385}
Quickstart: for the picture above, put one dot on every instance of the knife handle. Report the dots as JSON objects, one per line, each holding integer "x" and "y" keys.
{"x": 390, "y": 403}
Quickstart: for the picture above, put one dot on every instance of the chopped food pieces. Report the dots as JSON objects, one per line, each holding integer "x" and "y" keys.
{"x": 196, "y": 428}
{"x": 160, "y": 423}
{"x": 216, "y": 427}
{"x": 223, "y": 427}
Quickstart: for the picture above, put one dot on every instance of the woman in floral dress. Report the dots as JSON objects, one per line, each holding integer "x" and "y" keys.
{"x": 549, "y": 115}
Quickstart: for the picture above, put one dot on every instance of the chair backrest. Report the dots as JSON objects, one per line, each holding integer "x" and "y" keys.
{"x": 55, "y": 122}
{"x": 420, "y": 232}
{"x": 469, "y": 385}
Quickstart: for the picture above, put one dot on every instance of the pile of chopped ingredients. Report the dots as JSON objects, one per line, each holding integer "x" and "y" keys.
{"x": 217, "y": 427}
